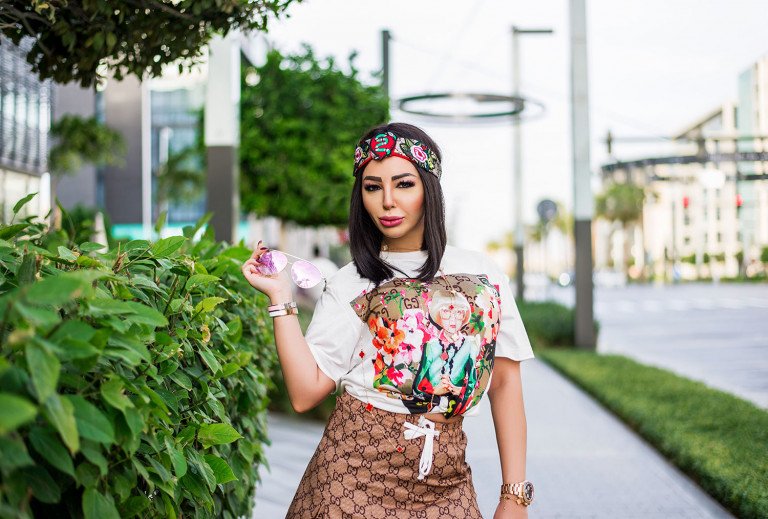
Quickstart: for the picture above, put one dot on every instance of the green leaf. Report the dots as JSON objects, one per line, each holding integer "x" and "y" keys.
{"x": 56, "y": 290}
{"x": 139, "y": 312}
{"x": 217, "y": 434}
{"x": 61, "y": 414}
{"x": 91, "y": 422}
{"x": 28, "y": 269}
{"x": 134, "y": 420}
{"x": 167, "y": 246}
{"x": 160, "y": 223}
{"x": 87, "y": 474}
{"x": 13, "y": 454}
{"x": 42, "y": 317}
{"x": 93, "y": 454}
{"x": 44, "y": 369}
{"x": 98, "y": 506}
{"x": 65, "y": 253}
{"x": 90, "y": 246}
{"x": 43, "y": 487}
{"x": 201, "y": 468}
{"x": 209, "y": 359}
{"x": 186, "y": 435}
{"x": 9, "y": 231}
{"x": 159, "y": 469}
{"x": 113, "y": 394}
{"x": 221, "y": 470}
{"x": 21, "y": 203}
{"x": 177, "y": 458}
{"x": 135, "y": 505}
{"x": 200, "y": 279}
{"x": 48, "y": 445}
{"x": 208, "y": 304}
{"x": 16, "y": 411}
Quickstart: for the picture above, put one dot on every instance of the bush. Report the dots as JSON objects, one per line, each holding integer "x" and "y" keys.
{"x": 549, "y": 323}
{"x": 133, "y": 382}
{"x": 719, "y": 440}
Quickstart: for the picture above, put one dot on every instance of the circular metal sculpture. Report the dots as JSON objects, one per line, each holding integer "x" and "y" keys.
{"x": 519, "y": 105}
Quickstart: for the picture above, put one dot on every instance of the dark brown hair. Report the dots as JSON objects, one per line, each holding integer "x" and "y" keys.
{"x": 365, "y": 238}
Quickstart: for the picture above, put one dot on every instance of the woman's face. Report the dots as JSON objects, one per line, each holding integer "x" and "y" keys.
{"x": 452, "y": 317}
{"x": 392, "y": 188}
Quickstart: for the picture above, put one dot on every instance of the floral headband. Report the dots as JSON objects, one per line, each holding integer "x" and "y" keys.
{"x": 388, "y": 144}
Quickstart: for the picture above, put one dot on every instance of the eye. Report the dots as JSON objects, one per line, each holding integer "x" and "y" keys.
{"x": 403, "y": 183}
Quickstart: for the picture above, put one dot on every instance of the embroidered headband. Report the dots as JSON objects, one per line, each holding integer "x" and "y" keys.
{"x": 388, "y": 144}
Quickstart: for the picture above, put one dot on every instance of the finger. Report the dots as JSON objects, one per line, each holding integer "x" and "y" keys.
{"x": 259, "y": 250}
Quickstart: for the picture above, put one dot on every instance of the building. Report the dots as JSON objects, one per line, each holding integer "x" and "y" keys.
{"x": 25, "y": 117}
{"x": 706, "y": 208}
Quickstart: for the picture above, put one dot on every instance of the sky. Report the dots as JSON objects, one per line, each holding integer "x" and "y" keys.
{"x": 654, "y": 67}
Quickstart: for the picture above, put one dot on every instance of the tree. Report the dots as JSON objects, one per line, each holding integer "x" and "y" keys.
{"x": 80, "y": 141}
{"x": 622, "y": 203}
{"x": 300, "y": 121}
{"x": 81, "y": 40}
{"x": 181, "y": 178}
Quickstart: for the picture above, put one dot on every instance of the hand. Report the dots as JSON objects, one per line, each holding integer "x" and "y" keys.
{"x": 445, "y": 382}
{"x": 509, "y": 509}
{"x": 273, "y": 286}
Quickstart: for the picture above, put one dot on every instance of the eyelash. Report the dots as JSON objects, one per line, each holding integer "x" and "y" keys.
{"x": 408, "y": 183}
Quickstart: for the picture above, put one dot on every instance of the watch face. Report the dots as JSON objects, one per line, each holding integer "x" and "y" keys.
{"x": 528, "y": 490}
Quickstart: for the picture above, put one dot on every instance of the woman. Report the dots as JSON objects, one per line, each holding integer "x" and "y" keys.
{"x": 446, "y": 374}
{"x": 392, "y": 448}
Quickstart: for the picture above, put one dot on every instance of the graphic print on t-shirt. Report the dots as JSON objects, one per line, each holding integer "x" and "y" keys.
{"x": 434, "y": 342}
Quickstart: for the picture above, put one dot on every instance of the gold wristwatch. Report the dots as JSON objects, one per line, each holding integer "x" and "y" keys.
{"x": 521, "y": 492}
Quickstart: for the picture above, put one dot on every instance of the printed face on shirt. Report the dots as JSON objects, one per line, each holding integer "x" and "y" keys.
{"x": 392, "y": 187}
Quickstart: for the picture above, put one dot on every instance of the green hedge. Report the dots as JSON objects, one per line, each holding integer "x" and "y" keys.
{"x": 133, "y": 382}
{"x": 549, "y": 323}
{"x": 719, "y": 440}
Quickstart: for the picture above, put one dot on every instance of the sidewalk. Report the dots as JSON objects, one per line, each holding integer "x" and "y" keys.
{"x": 582, "y": 461}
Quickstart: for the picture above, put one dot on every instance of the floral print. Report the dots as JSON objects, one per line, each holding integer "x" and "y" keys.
{"x": 387, "y": 144}
{"x": 434, "y": 342}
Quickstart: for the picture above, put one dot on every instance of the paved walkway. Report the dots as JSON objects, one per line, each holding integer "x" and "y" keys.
{"x": 583, "y": 461}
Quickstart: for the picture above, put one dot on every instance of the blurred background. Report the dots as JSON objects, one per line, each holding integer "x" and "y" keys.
{"x": 644, "y": 125}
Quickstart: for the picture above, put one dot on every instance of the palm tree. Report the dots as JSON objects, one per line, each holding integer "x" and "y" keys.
{"x": 80, "y": 141}
{"x": 181, "y": 178}
{"x": 622, "y": 203}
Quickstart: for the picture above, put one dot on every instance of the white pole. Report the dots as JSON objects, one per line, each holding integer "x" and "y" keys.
{"x": 582, "y": 192}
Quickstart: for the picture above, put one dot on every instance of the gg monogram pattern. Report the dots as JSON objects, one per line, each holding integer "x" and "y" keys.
{"x": 433, "y": 342}
{"x": 356, "y": 472}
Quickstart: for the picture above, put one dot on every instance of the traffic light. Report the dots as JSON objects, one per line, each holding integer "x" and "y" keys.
{"x": 686, "y": 202}
{"x": 739, "y": 200}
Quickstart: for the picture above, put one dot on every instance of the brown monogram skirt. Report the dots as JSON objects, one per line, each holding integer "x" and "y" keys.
{"x": 358, "y": 472}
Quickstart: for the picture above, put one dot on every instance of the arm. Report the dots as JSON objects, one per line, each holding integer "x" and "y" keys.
{"x": 506, "y": 397}
{"x": 307, "y": 384}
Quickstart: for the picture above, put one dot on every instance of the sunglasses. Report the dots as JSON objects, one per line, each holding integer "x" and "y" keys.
{"x": 303, "y": 273}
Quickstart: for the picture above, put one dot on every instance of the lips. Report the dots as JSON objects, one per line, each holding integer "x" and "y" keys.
{"x": 391, "y": 221}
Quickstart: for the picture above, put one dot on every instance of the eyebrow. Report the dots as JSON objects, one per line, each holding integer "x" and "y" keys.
{"x": 401, "y": 175}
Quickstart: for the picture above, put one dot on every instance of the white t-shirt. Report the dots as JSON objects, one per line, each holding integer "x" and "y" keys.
{"x": 414, "y": 347}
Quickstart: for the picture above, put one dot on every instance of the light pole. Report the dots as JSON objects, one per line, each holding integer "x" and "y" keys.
{"x": 517, "y": 163}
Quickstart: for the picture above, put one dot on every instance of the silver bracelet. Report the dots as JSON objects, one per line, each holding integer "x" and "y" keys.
{"x": 283, "y": 309}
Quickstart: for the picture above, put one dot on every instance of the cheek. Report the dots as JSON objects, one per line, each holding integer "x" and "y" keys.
{"x": 416, "y": 202}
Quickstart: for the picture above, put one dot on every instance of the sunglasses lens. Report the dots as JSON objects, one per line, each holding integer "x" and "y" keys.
{"x": 272, "y": 262}
{"x": 305, "y": 274}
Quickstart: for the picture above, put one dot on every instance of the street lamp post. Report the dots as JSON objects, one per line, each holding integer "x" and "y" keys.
{"x": 517, "y": 163}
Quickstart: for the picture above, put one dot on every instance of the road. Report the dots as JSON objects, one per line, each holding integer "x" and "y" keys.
{"x": 714, "y": 333}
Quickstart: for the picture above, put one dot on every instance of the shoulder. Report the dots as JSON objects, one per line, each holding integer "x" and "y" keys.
{"x": 346, "y": 283}
{"x": 470, "y": 258}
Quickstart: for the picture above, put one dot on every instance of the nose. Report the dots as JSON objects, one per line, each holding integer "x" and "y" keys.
{"x": 389, "y": 197}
